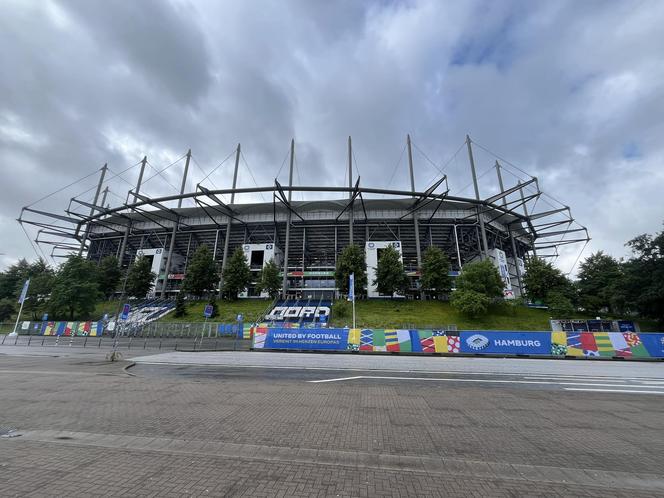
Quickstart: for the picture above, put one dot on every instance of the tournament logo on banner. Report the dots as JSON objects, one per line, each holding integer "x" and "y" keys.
{"x": 500, "y": 342}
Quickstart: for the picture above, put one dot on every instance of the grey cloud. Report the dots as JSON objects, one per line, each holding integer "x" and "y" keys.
{"x": 557, "y": 88}
{"x": 157, "y": 40}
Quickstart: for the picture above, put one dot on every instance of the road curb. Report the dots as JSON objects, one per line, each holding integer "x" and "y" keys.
{"x": 458, "y": 355}
{"x": 126, "y": 368}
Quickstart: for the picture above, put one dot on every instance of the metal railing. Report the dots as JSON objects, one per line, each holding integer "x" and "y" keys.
{"x": 155, "y": 335}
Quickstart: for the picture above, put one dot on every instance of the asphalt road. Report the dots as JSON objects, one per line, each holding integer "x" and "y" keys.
{"x": 270, "y": 424}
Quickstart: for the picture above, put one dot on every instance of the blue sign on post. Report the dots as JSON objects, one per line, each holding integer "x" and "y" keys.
{"x": 125, "y": 312}
{"x": 209, "y": 309}
{"x": 499, "y": 342}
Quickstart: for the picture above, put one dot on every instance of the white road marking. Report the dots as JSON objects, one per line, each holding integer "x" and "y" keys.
{"x": 341, "y": 378}
{"x": 613, "y": 391}
{"x": 18, "y": 371}
{"x": 579, "y": 378}
{"x": 593, "y": 377}
{"x": 487, "y": 381}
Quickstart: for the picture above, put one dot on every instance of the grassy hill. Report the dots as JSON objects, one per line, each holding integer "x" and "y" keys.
{"x": 228, "y": 310}
{"x": 385, "y": 313}
{"x": 433, "y": 314}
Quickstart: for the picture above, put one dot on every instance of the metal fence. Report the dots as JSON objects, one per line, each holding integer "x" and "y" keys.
{"x": 155, "y": 335}
{"x": 136, "y": 329}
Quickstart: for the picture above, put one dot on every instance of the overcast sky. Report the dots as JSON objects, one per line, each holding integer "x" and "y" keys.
{"x": 571, "y": 92}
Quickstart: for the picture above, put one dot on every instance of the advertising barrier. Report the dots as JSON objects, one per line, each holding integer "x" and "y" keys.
{"x": 501, "y": 342}
{"x": 312, "y": 339}
{"x": 608, "y": 344}
{"x": 68, "y": 329}
{"x": 477, "y": 342}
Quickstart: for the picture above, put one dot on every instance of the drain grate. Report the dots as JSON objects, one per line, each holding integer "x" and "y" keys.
{"x": 8, "y": 432}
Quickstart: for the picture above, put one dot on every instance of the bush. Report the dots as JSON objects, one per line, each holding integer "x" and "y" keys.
{"x": 559, "y": 304}
{"x": 481, "y": 277}
{"x": 470, "y": 302}
{"x": 180, "y": 305}
{"x": 7, "y": 308}
{"x": 342, "y": 309}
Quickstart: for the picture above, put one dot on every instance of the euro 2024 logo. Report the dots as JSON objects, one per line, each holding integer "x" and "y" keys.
{"x": 477, "y": 342}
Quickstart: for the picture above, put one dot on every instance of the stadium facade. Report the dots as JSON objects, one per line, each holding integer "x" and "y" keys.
{"x": 305, "y": 238}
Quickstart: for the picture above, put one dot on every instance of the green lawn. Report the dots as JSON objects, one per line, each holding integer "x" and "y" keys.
{"x": 228, "y": 311}
{"x": 387, "y": 313}
{"x": 432, "y": 314}
{"x": 382, "y": 313}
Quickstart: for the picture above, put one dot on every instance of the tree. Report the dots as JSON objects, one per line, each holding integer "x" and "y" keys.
{"x": 237, "y": 274}
{"x": 598, "y": 282}
{"x": 41, "y": 280}
{"x": 202, "y": 273}
{"x": 481, "y": 277}
{"x": 109, "y": 275}
{"x": 140, "y": 278}
{"x": 470, "y": 302}
{"x": 342, "y": 309}
{"x": 478, "y": 285}
{"x": 41, "y": 277}
{"x": 542, "y": 278}
{"x": 75, "y": 289}
{"x": 559, "y": 304}
{"x": 12, "y": 279}
{"x": 269, "y": 280}
{"x": 7, "y": 309}
{"x": 351, "y": 260}
{"x": 643, "y": 283}
{"x": 435, "y": 270}
{"x": 390, "y": 275}
{"x": 180, "y": 305}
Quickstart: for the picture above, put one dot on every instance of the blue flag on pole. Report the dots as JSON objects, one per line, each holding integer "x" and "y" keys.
{"x": 24, "y": 292}
{"x": 351, "y": 287}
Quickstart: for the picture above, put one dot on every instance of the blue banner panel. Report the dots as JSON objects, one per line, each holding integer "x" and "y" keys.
{"x": 314, "y": 339}
{"x": 503, "y": 342}
{"x": 654, "y": 343}
{"x": 626, "y": 326}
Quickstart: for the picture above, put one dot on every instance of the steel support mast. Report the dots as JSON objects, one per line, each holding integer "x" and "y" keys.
{"x": 284, "y": 281}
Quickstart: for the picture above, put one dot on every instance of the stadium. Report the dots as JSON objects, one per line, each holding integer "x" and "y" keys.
{"x": 305, "y": 237}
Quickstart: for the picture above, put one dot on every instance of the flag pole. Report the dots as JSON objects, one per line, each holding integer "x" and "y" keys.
{"x": 24, "y": 294}
{"x": 354, "y": 313}
{"x": 351, "y": 290}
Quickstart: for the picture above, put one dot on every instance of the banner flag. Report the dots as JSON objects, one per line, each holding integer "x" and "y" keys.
{"x": 24, "y": 292}
{"x": 351, "y": 287}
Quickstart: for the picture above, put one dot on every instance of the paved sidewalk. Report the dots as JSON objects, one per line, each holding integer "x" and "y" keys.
{"x": 90, "y": 429}
{"x": 403, "y": 363}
